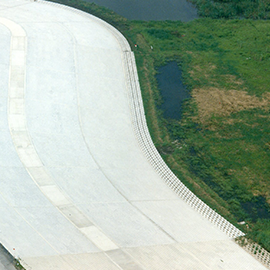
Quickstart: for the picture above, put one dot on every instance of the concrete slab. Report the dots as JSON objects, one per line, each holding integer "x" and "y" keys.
{"x": 99, "y": 238}
{"x": 94, "y": 185}
{"x": 76, "y": 190}
{"x": 19, "y": 237}
{"x": 19, "y": 190}
{"x": 179, "y": 226}
{"x": 62, "y": 236}
{"x": 124, "y": 260}
{"x": 126, "y": 225}
{"x": 197, "y": 255}
{"x": 8, "y": 157}
{"x": 97, "y": 261}
{"x": 45, "y": 263}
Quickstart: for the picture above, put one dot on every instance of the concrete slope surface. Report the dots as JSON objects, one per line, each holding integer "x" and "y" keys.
{"x": 76, "y": 190}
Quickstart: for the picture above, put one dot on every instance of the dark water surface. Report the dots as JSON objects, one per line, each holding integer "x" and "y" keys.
{"x": 147, "y": 10}
{"x": 172, "y": 90}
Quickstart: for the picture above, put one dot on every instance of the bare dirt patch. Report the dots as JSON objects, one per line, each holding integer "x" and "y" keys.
{"x": 214, "y": 101}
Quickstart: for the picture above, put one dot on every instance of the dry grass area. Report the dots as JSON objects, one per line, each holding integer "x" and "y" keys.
{"x": 198, "y": 72}
{"x": 233, "y": 80}
{"x": 214, "y": 101}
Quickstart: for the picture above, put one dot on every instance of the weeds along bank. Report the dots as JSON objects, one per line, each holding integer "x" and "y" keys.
{"x": 221, "y": 147}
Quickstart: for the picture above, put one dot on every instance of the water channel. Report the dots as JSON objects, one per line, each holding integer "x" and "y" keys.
{"x": 147, "y": 10}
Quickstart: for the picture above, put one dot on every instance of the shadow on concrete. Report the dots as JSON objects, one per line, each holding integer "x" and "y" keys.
{"x": 7, "y": 262}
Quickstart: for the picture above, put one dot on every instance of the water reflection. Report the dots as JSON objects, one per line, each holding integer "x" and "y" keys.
{"x": 148, "y": 10}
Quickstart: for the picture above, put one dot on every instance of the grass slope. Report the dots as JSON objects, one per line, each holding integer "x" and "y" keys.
{"x": 221, "y": 147}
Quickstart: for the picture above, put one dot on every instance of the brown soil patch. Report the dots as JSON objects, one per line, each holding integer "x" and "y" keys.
{"x": 214, "y": 101}
{"x": 233, "y": 80}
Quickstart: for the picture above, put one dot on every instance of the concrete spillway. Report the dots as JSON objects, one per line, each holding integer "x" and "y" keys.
{"x": 77, "y": 190}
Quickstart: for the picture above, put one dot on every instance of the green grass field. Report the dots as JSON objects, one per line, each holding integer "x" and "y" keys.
{"x": 221, "y": 147}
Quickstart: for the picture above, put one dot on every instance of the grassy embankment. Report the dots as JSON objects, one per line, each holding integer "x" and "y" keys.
{"x": 221, "y": 147}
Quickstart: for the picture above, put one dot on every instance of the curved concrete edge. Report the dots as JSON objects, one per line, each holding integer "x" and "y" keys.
{"x": 150, "y": 151}
{"x": 143, "y": 135}
{"x": 25, "y": 147}
{"x": 117, "y": 34}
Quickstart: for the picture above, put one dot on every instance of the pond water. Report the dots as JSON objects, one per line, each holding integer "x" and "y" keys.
{"x": 147, "y": 10}
{"x": 173, "y": 92}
